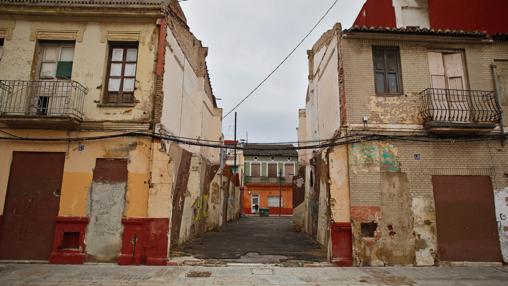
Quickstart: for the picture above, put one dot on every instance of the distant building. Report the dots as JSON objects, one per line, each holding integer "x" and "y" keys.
{"x": 268, "y": 178}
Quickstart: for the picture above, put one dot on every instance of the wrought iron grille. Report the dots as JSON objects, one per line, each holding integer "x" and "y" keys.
{"x": 55, "y": 98}
{"x": 460, "y": 106}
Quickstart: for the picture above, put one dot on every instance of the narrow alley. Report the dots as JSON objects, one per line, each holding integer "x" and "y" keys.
{"x": 255, "y": 239}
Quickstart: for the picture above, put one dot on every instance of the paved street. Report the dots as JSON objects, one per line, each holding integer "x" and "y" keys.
{"x": 33, "y": 274}
{"x": 256, "y": 240}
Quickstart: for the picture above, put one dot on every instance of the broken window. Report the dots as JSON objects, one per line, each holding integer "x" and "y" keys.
{"x": 274, "y": 201}
{"x": 55, "y": 60}
{"x": 387, "y": 71}
{"x": 369, "y": 229}
{"x": 1, "y": 48}
{"x": 122, "y": 64}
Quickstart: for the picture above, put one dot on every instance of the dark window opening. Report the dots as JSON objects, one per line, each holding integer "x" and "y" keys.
{"x": 70, "y": 240}
{"x": 387, "y": 71}
{"x": 1, "y": 48}
{"x": 121, "y": 76}
{"x": 369, "y": 229}
{"x": 311, "y": 179}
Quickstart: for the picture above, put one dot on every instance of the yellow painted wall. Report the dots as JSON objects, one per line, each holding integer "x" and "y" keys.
{"x": 79, "y": 165}
{"x": 90, "y": 57}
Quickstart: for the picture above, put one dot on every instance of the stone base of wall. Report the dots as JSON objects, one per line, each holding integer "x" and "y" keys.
{"x": 69, "y": 241}
{"x": 144, "y": 241}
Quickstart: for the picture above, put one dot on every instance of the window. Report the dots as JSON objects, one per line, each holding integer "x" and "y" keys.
{"x": 289, "y": 169}
{"x": 122, "y": 65}
{"x": 273, "y": 201}
{"x": 1, "y": 48}
{"x": 56, "y": 60}
{"x": 387, "y": 74}
{"x": 255, "y": 169}
{"x": 272, "y": 170}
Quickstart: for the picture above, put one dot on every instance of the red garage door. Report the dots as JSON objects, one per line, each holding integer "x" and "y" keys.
{"x": 31, "y": 205}
{"x": 466, "y": 223}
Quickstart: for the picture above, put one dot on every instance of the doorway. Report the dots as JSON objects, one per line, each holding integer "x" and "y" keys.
{"x": 31, "y": 205}
{"x": 254, "y": 203}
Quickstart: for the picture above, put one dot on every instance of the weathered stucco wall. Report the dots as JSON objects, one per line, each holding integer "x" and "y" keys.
{"x": 361, "y": 99}
{"x": 188, "y": 109}
{"x": 91, "y": 36}
{"x": 79, "y": 165}
{"x": 501, "y": 201}
{"x": 391, "y": 185}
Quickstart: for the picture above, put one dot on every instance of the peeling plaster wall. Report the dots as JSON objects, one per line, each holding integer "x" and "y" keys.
{"x": 392, "y": 187}
{"x": 192, "y": 194}
{"x": 339, "y": 184}
{"x": 501, "y": 201}
{"x": 361, "y": 99}
{"x": 104, "y": 233}
{"x": 90, "y": 58}
{"x": 323, "y": 212}
{"x": 188, "y": 110}
{"x": 79, "y": 165}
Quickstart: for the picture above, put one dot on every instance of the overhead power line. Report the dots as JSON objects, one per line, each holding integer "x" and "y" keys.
{"x": 324, "y": 144}
{"x": 283, "y": 61}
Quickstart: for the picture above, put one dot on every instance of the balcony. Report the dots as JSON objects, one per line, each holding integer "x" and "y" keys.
{"x": 268, "y": 180}
{"x": 459, "y": 111}
{"x": 41, "y": 103}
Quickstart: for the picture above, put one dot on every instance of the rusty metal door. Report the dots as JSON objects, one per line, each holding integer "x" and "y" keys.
{"x": 31, "y": 205}
{"x": 466, "y": 222}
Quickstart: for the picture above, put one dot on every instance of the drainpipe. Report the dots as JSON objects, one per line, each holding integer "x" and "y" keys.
{"x": 498, "y": 99}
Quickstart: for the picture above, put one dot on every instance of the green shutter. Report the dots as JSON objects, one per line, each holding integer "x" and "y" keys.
{"x": 64, "y": 70}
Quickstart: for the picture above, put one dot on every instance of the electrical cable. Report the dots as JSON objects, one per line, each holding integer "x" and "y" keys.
{"x": 283, "y": 61}
{"x": 328, "y": 143}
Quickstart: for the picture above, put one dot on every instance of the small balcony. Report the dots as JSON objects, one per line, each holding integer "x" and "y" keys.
{"x": 459, "y": 111}
{"x": 268, "y": 180}
{"x": 53, "y": 104}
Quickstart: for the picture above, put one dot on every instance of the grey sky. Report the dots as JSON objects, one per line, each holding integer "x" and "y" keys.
{"x": 246, "y": 40}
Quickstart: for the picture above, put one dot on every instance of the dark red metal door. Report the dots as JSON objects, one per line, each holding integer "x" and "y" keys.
{"x": 466, "y": 222}
{"x": 31, "y": 205}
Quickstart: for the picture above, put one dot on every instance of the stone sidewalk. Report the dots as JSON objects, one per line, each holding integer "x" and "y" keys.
{"x": 243, "y": 275}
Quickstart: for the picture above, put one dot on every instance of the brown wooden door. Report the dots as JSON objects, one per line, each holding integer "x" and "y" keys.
{"x": 466, "y": 222}
{"x": 31, "y": 205}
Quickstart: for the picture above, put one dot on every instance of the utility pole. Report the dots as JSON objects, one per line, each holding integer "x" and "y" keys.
{"x": 234, "y": 164}
{"x": 280, "y": 191}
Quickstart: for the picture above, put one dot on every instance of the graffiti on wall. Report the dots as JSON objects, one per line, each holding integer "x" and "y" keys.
{"x": 200, "y": 208}
{"x": 501, "y": 200}
{"x": 374, "y": 157}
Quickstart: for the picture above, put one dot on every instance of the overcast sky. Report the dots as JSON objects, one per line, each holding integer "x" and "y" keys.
{"x": 246, "y": 40}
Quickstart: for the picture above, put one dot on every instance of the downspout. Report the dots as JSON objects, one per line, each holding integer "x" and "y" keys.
{"x": 498, "y": 100}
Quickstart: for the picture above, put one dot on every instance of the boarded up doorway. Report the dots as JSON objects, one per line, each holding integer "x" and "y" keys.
{"x": 31, "y": 206}
{"x": 107, "y": 201}
{"x": 466, "y": 223}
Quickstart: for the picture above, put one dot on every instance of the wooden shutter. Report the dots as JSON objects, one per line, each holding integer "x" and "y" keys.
{"x": 255, "y": 169}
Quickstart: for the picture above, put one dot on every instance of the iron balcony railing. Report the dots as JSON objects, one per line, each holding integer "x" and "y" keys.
{"x": 460, "y": 106}
{"x": 38, "y": 98}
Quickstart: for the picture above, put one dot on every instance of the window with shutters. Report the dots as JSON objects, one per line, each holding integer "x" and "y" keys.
{"x": 387, "y": 71}
{"x": 255, "y": 169}
{"x": 55, "y": 60}
{"x": 272, "y": 170}
{"x": 121, "y": 76}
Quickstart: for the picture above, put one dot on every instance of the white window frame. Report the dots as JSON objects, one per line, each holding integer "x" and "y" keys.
{"x": 278, "y": 197}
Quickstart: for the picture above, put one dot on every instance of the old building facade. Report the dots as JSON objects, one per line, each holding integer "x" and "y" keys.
{"x": 92, "y": 96}
{"x": 268, "y": 178}
{"x": 417, "y": 169}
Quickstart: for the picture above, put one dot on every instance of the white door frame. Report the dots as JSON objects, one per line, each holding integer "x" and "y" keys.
{"x": 252, "y": 202}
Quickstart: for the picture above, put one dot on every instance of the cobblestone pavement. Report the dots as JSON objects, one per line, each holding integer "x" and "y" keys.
{"x": 43, "y": 274}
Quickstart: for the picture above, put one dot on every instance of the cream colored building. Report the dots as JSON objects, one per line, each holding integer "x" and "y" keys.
{"x": 420, "y": 156}
{"x": 90, "y": 93}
